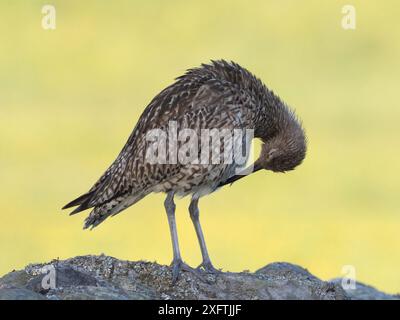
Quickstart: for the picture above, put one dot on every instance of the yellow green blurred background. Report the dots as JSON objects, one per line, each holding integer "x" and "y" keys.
{"x": 70, "y": 97}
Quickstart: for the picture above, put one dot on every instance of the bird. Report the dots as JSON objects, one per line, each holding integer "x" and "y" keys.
{"x": 216, "y": 95}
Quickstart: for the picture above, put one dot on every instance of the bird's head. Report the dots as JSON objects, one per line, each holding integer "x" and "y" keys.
{"x": 283, "y": 152}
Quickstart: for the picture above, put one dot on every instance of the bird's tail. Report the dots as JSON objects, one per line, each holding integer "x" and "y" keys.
{"x": 111, "y": 208}
{"x": 82, "y": 201}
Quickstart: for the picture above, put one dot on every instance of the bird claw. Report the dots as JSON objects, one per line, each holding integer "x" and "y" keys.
{"x": 208, "y": 268}
{"x": 179, "y": 265}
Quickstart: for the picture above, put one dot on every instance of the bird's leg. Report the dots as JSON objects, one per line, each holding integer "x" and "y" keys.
{"x": 177, "y": 263}
{"x": 194, "y": 215}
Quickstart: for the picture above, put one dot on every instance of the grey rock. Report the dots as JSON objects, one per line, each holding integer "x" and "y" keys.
{"x": 362, "y": 291}
{"x": 65, "y": 276}
{"x": 286, "y": 270}
{"x": 289, "y": 281}
{"x": 103, "y": 277}
{"x": 88, "y": 293}
{"x": 20, "y": 294}
{"x": 15, "y": 279}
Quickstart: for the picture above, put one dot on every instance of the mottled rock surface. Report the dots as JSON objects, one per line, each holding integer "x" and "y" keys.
{"x": 103, "y": 277}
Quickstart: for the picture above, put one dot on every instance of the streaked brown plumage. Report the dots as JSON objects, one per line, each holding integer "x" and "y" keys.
{"x": 216, "y": 95}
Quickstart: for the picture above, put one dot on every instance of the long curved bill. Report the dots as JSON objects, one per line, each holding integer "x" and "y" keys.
{"x": 256, "y": 167}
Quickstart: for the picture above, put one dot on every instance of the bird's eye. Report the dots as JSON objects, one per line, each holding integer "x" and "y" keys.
{"x": 271, "y": 153}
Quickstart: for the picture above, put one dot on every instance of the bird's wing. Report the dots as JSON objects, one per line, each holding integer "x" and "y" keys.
{"x": 211, "y": 104}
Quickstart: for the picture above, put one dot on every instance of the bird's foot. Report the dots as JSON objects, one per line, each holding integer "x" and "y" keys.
{"x": 206, "y": 266}
{"x": 179, "y": 265}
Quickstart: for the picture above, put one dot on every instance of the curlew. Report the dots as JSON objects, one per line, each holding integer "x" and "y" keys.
{"x": 219, "y": 95}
